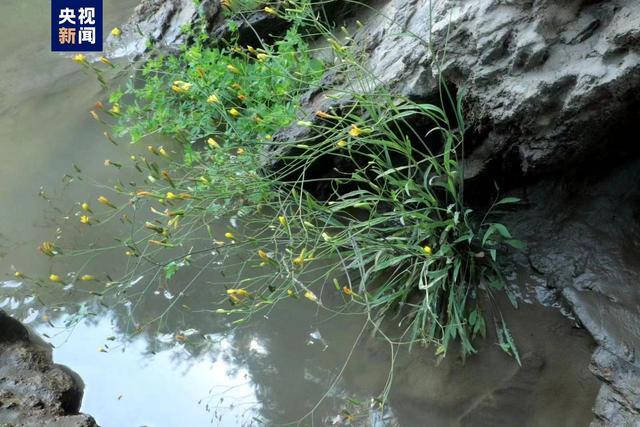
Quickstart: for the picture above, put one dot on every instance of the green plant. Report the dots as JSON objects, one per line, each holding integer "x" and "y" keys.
{"x": 392, "y": 234}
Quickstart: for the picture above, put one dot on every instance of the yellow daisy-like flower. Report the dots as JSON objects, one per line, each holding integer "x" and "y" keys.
{"x": 341, "y": 144}
{"x": 229, "y": 235}
{"x": 213, "y": 143}
{"x": 427, "y": 250}
{"x": 310, "y": 296}
{"x": 55, "y": 278}
{"x": 116, "y": 32}
{"x": 171, "y": 196}
{"x": 240, "y": 151}
{"x": 106, "y": 202}
{"x": 80, "y": 58}
{"x": 115, "y": 109}
{"x": 282, "y": 220}
{"x": 299, "y": 260}
{"x": 234, "y": 112}
{"x": 18, "y": 275}
{"x": 85, "y": 220}
{"x": 212, "y": 99}
{"x": 181, "y": 87}
{"x": 87, "y": 278}
{"x": 355, "y": 131}
{"x": 269, "y": 10}
{"x": 85, "y": 207}
{"x": 262, "y": 254}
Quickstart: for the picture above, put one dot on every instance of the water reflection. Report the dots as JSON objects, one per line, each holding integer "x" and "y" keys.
{"x": 155, "y": 353}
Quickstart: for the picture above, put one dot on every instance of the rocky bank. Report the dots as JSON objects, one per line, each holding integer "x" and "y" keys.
{"x": 34, "y": 391}
{"x": 552, "y": 95}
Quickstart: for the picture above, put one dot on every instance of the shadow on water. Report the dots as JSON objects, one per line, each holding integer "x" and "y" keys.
{"x": 161, "y": 356}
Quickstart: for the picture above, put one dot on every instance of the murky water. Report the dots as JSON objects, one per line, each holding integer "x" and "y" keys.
{"x": 190, "y": 368}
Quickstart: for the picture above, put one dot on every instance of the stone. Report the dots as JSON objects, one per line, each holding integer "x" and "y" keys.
{"x": 33, "y": 390}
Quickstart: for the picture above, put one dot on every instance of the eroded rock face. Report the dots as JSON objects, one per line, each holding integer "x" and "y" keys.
{"x": 583, "y": 238}
{"x": 33, "y": 390}
{"x": 545, "y": 79}
{"x": 158, "y": 22}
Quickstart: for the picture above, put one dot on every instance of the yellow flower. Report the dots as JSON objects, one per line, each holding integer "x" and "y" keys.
{"x": 262, "y": 254}
{"x": 251, "y": 49}
{"x": 355, "y": 131}
{"x": 87, "y": 278}
{"x": 55, "y": 278}
{"x": 310, "y": 296}
{"x": 116, "y": 32}
{"x": 236, "y": 295}
{"x": 85, "y": 220}
{"x": 269, "y": 10}
{"x": 427, "y": 250}
{"x": 341, "y": 144}
{"x": 233, "y": 69}
{"x": 229, "y": 235}
{"x": 163, "y": 152}
{"x": 291, "y": 293}
{"x": 212, "y": 99}
{"x": 115, "y": 109}
{"x": 129, "y": 253}
{"x": 212, "y": 143}
{"x": 262, "y": 56}
{"x": 105, "y": 60}
{"x": 238, "y": 292}
{"x": 240, "y": 151}
{"x": 181, "y": 87}
{"x": 18, "y": 275}
{"x": 299, "y": 260}
{"x": 324, "y": 115}
{"x": 171, "y": 196}
{"x": 48, "y": 248}
{"x": 234, "y": 112}
{"x": 80, "y": 58}
{"x": 283, "y": 220}
{"x": 106, "y": 202}
{"x": 347, "y": 291}
{"x": 85, "y": 207}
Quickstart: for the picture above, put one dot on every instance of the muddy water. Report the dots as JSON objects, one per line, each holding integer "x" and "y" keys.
{"x": 278, "y": 368}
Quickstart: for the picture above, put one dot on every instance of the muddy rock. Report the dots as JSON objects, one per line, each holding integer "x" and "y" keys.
{"x": 534, "y": 72}
{"x": 583, "y": 245}
{"x": 160, "y": 23}
{"x": 618, "y": 402}
{"x": 34, "y": 391}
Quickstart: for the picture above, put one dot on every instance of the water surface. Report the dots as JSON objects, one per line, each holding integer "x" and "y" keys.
{"x": 189, "y": 367}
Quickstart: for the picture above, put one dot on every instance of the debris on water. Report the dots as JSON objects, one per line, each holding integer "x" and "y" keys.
{"x": 167, "y": 294}
{"x": 316, "y": 337}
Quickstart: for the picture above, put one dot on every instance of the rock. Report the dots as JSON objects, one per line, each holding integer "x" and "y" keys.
{"x": 160, "y": 23}
{"x": 583, "y": 238}
{"x": 33, "y": 390}
{"x": 535, "y": 73}
{"x": 618, "y": 402}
